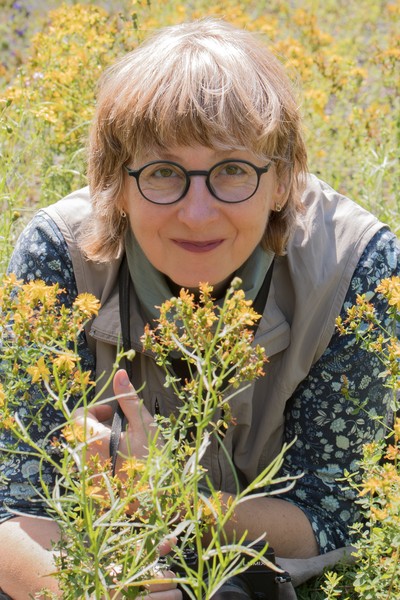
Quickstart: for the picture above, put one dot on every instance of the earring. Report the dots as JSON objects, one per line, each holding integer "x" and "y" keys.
{"x": 122, "y": 214}
{"x": 278, "y": 207}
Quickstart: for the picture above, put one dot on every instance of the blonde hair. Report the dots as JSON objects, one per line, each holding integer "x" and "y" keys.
{"x": 203, "y": 82}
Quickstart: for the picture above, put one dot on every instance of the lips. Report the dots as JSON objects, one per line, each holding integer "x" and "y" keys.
{"x": 198, "y": 246}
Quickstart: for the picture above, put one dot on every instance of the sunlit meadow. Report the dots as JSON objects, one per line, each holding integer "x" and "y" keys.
{"x": 343, "y": 57}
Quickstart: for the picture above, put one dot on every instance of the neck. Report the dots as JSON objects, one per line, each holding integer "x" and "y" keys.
{"x": 219, "y": 289}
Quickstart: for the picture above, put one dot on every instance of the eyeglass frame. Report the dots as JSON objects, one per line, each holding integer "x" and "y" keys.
{"x": 188, "y": 174}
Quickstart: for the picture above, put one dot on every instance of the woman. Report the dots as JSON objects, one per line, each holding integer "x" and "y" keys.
{"x": 197, "y": 172}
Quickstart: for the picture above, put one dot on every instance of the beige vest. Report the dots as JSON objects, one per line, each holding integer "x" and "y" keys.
{"x": 308, "y": 288}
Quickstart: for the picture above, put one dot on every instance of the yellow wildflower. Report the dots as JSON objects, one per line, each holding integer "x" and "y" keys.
{"x": 95, "y": 492}
{"x": 390, "y": 288}
{"x": 74, "y": 433}
{"x": 211, "y": 509}
{"x": 83, "y": 378}
{"x": 39, "y": 371}
{"x": 392, "y": 452}
{"x": 11, "y": 280}
{"x": 39, "y": 291}
{"x": 7, "y": 422}
{"x": 379, "y": 514}
{"x": 132, "y": 466}
{"x": 65, "y": 361}
{"x": 87, "y": 304}
{"x": 371, "y": 486}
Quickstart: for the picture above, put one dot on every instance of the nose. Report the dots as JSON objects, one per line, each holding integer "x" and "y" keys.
{"x": 198, "y": 207}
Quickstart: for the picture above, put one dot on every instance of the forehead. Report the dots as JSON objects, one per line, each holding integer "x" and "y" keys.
{"x": 195, "y": 154}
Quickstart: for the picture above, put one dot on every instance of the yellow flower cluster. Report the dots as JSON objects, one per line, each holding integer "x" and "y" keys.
{"x": 362, "y": 321}
{"x": 40, "y": 335}
{"x": 378, "y": 479}
{"x": 379, "y": 494}
{"x": 215, "y": 343}
{"x": 6, "y": 419}
{"x": 75, "y": 47}
{"x": 390, "y": 288}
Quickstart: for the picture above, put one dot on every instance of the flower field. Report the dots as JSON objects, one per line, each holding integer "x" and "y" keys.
{"x": 343, "y": 57}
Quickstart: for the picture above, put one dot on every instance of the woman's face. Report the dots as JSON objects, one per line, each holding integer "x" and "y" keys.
{"x": 200, "y": 239}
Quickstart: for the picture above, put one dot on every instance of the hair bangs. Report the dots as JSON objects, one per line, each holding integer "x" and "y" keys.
{"x": 197, "y": 98}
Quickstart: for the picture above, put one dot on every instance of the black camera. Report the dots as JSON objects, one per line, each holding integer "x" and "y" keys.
{"x": 257, "y": 582}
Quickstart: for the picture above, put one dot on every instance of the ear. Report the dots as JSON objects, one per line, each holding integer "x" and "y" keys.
{"x": 122, "y": 207}
{"x": 280, "y": 196}
{"x": 121, "y": 203}
{"x": 281, "y": 190}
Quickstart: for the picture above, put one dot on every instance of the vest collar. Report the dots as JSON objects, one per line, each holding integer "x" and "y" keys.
{"x": 273, "y": 332}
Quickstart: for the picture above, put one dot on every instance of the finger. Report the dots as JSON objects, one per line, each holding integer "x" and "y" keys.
{"x": 160, "y": 586}
{"x": 165, "y": 595}
{"x": 100, "y": 412}
{"x": 166, "y": 545}
{"x": 127, "y": 397}
{"x": 94, "y": 429}
{"x": 85, "y": 418}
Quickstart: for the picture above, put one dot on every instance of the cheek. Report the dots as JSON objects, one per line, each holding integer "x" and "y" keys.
{"x": 255, "y": 222}
{"x": 143, "y": 229}
{"x": 143, "y": 216}
{"x": 260, "y": 225}
{"x": 148, "y": 225}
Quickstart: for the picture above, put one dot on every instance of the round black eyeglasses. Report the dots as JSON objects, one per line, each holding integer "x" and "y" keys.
{"x": 167, "y": 182}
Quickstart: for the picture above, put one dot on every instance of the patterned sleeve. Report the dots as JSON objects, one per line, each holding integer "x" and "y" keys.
{"x": 40, "y": 253}
{"x": 330, "y": 437}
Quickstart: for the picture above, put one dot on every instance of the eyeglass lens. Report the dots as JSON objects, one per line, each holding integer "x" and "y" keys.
{"x": 164, "y": 183}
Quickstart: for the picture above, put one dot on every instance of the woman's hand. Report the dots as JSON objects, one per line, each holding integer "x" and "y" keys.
{"x": 134, "y": 442}
{"x": 171, "y": 594}
{"x": 135, "y": 437}
{"x": 164, "y": 591}
{"x": 159, "y": 590}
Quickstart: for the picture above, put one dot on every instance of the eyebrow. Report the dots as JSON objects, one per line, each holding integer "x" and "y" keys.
{"x": 166, "y": 155}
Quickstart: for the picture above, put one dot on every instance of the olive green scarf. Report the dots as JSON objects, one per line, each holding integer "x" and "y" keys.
{"x": 152, "y": 287}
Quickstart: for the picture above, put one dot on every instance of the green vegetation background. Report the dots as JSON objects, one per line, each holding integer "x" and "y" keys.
{"x": 343, "y": 56}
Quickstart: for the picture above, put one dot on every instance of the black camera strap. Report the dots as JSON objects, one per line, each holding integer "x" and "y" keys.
{"x": 179, "y": 366}
{"x": 124, "y": 281}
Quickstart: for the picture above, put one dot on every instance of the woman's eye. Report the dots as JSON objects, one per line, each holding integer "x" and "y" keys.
{"x": 164, "y": 172}
{"x": 232, "y": 170}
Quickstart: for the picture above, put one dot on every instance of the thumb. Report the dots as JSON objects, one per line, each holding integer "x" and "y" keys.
{"x": 134, "y": 410}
